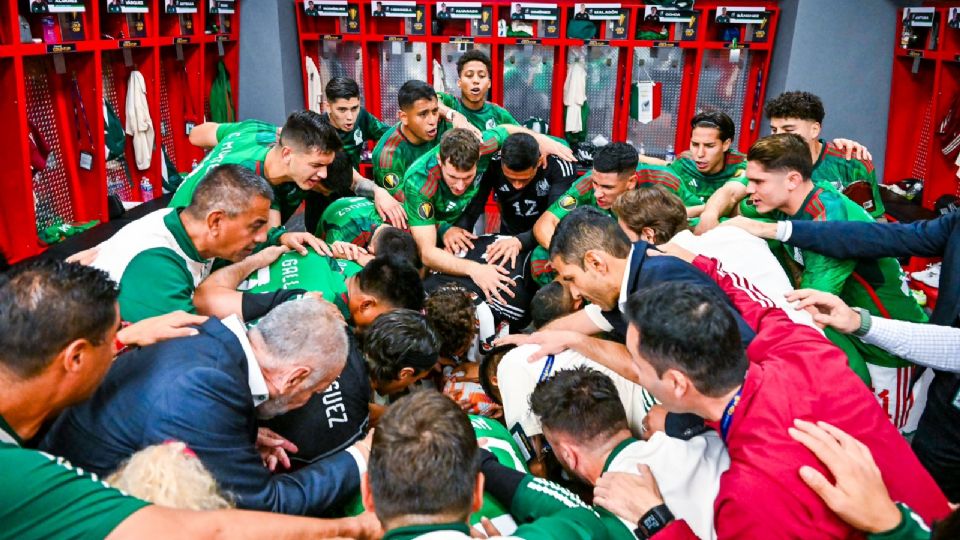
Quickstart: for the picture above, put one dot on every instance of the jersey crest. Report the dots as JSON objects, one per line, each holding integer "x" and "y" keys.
{"x": 543, "y": 187}
{"x": 357, "y": 136}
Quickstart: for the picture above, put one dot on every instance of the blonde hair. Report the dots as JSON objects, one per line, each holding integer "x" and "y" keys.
{"x": 171, "y": 475}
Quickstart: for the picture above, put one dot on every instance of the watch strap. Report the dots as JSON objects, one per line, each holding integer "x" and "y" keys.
{"x": 653, "y": 521}
{"x": 865, "y": 322}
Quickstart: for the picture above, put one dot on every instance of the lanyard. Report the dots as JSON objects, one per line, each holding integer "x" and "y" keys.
{"x": 80, "y": 111}
{"x": 547, "y": 367}
{"x": 728, "y": 411}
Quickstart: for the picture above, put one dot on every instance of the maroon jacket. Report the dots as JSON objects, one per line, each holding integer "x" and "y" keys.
{"x": 797, "y": 373}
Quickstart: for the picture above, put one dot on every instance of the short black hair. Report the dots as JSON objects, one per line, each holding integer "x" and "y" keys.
{"x": 459, "y": 148}
{"x": 398, "y": 339}
{"x": 782, "y": 152}
{"x": 716, "y": 120}
{"x": 473, "y": 55}
{"x": 520, "y": 152}
{"x": 689, "y": 328}
{"x": 229, "y": 188}
{"x": 47, "y": 304}
{"x": 413, "y": 91}
{"x": 424, "y": 459}
{"x": 341, "y": 88}
{"x": 392, "y": 281}
{"x": 340, "y": 176}
{"x": 617, "y": 157}
{"x": 580, "y": 402}
{"x": 551, "y": 302}
{"x": 488, "y": 370}
{"x": 307, "y": 130}
{"x": 397, "y": 243}
{"x": 801, "y": 105}
{"x": 584, "y": 229}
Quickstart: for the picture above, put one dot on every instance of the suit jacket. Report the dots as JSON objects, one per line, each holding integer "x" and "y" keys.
{"x": 645, "y": 272}
{"x": 937, "y": 441}
{"x": 195, "y": 390}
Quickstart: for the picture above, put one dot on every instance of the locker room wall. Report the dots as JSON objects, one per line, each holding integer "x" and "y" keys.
{"x": 840, "y": 50}
{"x": 270, "y": 75}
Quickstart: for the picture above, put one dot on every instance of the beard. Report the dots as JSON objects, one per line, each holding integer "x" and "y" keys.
{"x": 273, "y": 407}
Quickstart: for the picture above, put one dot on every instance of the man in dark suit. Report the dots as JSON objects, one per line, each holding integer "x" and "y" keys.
{"x": 937, "y": 439}
{"x": 595, "y": 261}
{"x": 208, "y": 391}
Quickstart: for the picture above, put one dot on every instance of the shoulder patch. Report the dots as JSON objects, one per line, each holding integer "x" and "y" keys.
{"x": 425, "y": 210}
{"x": 390, "y": 181}
{"x": 567, "y": 202}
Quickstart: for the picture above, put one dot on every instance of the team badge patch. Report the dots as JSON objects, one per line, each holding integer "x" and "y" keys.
{"x": 390, "y": 181}
{"x": 425, "y": 210}
{"x": 357, "y": 137}
{"x": 567, "y": 202}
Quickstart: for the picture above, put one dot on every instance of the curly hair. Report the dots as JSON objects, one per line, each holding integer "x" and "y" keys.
{"x": 171, "y": 475}
{"x": 800, "y": 105}
{"x": 452, "y": 314}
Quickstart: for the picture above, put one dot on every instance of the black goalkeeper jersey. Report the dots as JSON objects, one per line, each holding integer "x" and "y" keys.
{"x": 519, "y": 208}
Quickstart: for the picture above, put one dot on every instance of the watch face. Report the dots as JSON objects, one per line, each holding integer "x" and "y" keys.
{"x": 650, "y": 521}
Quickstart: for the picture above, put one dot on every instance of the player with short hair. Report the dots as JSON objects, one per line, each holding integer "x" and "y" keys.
{"x": 473, "y": 79}
{"x": 802, "y": 113}
{"x": 524, "y": 184}
{"x": 438, "y": 187}
{"x": 354, "y": 124}
{"x": 423, "y": 120}
{"x": 779, "y": 168}
{"x": 614, "y": 172}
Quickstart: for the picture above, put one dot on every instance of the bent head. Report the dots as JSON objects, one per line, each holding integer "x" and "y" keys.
{"x": 588, "y": 251}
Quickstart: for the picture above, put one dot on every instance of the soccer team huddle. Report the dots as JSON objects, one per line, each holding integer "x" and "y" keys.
{"x": 713, "y": 347}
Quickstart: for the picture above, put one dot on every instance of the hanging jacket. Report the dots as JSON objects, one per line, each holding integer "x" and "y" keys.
{"x": 314, "y": 87}
{"x": 574, "y": 96}
{"x": 139, "y": 125}
{"x": 438, "y": 82}
{"x": 221, "y": 97}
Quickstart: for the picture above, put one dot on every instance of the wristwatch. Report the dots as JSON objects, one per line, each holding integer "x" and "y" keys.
{"x": 653, "y": 521}
{"x": 865, "y": 322}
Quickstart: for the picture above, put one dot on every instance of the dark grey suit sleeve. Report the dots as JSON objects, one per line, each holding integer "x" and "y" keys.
{"x": 213, "y": 414}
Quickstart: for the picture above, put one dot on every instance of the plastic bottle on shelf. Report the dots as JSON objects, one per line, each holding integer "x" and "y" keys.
{"x": 146, "y": 189}
{"x": 671, "y": 155}
{"x": 643, "y": 149}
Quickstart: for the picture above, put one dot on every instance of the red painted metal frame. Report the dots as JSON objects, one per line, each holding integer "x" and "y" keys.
{"x": 934, "y": 85}
{"x": 156, "y": 52}
{"x": 312, "y": 30}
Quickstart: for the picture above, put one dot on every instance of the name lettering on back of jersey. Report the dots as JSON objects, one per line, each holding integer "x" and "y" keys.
{"x": 333, "y": 399}
{"x": 289, "y": 273}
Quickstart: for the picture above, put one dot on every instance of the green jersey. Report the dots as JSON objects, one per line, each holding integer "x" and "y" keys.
{"x": 699, "y": 186}
{"x": 832, "y": 167}
{"x": 394, "y": 154}
{"x": 312, "y": 272}
{"x": 501, "y": 444}
{"x": 367, "y": 128}
{"x": 43, "y": 496}
{"x": 428, "y": 200}
{"x": 489, "y": 116}
{"x": 664, "y": 176}
{"x": 579, "y": 194}
{"x": 241, "y": 143}
{"x": 877, "y": 285}
{"x": 537, "y": 498}
{"x": 156, "y": 264}
{"x": 349, "y": 219}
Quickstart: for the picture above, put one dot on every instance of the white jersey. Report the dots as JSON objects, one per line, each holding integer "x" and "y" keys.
{"x": 747, "y": 256}
{"x": 517, "y": 378}
{"x": 687, "y": 473}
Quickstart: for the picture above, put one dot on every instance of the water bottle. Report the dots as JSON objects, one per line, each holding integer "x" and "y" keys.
{"x": 643, "y": 149}
{"x": 146, "y": 189}
{"x": 671, "y": 155}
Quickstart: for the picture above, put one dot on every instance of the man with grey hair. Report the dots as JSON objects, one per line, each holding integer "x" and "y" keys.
{"x": 208, "y": 391}
{"x": 159, "y": 259}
